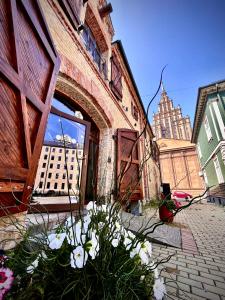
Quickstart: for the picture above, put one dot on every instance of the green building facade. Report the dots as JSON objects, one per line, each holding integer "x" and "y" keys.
{"x": 209, "y": 135}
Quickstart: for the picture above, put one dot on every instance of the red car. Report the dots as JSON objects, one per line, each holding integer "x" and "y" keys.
{"x": 181, "y": 196}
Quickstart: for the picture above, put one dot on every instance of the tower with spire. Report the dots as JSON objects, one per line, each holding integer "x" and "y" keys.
{"x": 169, "y": 121}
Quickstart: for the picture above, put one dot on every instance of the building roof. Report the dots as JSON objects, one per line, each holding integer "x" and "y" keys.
{"x": 201, "y": 102}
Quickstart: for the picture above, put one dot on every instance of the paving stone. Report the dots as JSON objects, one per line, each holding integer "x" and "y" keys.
{"x": 214, "y": 289}
{"x": 204, "y": 294}
{"x": 190, "y": 282}
{"x": 212, "y": 276}
{"x": 202, "y": 279}
{"x": 203, "y": 254}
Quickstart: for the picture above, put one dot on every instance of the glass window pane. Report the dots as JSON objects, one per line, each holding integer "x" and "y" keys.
{"x": 66, "y": 137}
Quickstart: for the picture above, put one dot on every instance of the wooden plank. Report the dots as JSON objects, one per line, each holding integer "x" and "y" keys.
{"x": 10, "y": 74}
{"x": 39, "y": 31}
{"x": 13, "y": 173}
{"x": 11, "y": 187}
{"x": 26, "y": 128}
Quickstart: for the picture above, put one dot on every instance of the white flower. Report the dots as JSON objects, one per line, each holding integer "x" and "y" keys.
{"x": 78, "y": 257}
{"x": 94, "y": 243}
{"x": 127, "y": 243}
{"x": 91, "y": 206}
{"x": 56, "y": 240}
{"x": 159, "y": 289}
{"x": 35, "y": 263}
{"x": 142, "y": 278}
{"x": 33, "y": 266}
{"x": 144, "y": 257}
{"x": 115, "y": 242}
{"x": 147, "y": 247}
{"x": 135, "y": 250}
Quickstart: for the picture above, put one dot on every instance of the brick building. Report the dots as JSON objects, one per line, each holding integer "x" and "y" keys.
{"x": 178, "y": 157}
{"x": 73, "y": 81}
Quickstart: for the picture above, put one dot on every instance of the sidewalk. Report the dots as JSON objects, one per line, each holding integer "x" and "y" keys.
{"x": 197, "y": 271}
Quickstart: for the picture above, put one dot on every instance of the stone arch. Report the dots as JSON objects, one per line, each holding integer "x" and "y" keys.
{"x": 95, "y": 108}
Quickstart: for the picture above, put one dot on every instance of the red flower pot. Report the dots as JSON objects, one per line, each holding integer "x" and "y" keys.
{"x": 165, "y": 214}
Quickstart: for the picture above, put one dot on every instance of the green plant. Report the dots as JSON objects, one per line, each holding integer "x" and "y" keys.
{"x": 170, "y": 204}
{"x": 94, "y": 257}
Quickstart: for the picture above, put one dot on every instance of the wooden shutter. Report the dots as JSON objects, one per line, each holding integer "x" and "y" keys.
{"x": 72, "y": 10}
{"x": 116, "y": 78}
{"x": 28, "y": 68}
{"x": 128, "y": 165}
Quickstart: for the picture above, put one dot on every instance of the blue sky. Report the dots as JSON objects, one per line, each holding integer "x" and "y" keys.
{"x": 187, "y": 35}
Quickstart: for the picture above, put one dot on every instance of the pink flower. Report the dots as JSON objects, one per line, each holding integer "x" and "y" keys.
{"x": 6, "y": 280}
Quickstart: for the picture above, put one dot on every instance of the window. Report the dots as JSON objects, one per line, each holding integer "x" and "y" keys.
{"x": 52, "y": 157}
{"x": 199, "y": 150}
{"x": 70, "y": 186}
{"x": 48, "y": 185}
{"x": 59, "y": 158}
{"x": 44, "y": 165}
{"x": 64, "y": 176}
{"x": 60, "y": 150}
{"x": 45, "y": 156}
{"x": 53, "y": 149}
{"x": 71, "y": 167}
{"x": 46, "y": 149}
{"x": 72, "y": 159}
{"x": 72, "y": 10}
{"x": 51, "y": 166}
{"x": 71, "y": 176}
{"x": 58, "y": 166}
{"x": 116, "y": 78}
{"x": 40, "y": 184}
{"x": 218, "y": 170}
{"x": 207, "y": 129}
{"x": 73, "y": 152}
{"x": 93, "y": 49}
{"x": 63, "y": 186}
{"x": 49, "y": 175}
{"x": 56, "y": 175}
{"x": 67, "y": 151}
{"x": 42, "y": 174}
{"x": 55, "y": 185}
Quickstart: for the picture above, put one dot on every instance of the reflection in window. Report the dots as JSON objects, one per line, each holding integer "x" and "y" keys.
{"x": 66, "y": 109}
{"x": 70, "y": 141}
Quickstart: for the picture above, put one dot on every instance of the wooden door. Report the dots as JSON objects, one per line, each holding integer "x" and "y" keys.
{"x": 128, "y": 165}
{"x": 28, "y": 69}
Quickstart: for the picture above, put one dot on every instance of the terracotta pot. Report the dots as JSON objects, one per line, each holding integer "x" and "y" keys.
{"x": 165, "y": 214}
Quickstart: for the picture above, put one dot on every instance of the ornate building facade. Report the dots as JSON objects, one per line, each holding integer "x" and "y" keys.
{"x": 169, "y": 121}
{"x": 179, "y": 162}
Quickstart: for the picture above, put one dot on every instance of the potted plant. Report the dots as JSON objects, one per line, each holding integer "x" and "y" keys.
{"x": 166, "y": 210}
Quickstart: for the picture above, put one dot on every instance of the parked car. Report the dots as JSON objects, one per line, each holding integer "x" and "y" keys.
{"x": 181, "y": 196}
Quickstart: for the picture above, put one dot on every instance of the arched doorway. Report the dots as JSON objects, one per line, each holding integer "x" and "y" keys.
{"x": 68, "y": 164}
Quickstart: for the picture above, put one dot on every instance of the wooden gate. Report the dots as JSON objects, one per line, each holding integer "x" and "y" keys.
{"x": 128, "y": 165}
{"x": 29, "y": 66}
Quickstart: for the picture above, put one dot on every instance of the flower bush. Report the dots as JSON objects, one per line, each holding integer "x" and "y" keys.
{"x": 93, "y": 257}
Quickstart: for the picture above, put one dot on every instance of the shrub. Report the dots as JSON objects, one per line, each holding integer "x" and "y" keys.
{"x": 94, "y": 257}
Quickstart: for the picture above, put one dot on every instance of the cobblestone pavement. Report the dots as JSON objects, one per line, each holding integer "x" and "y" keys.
{"x": 197, "y": 271}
